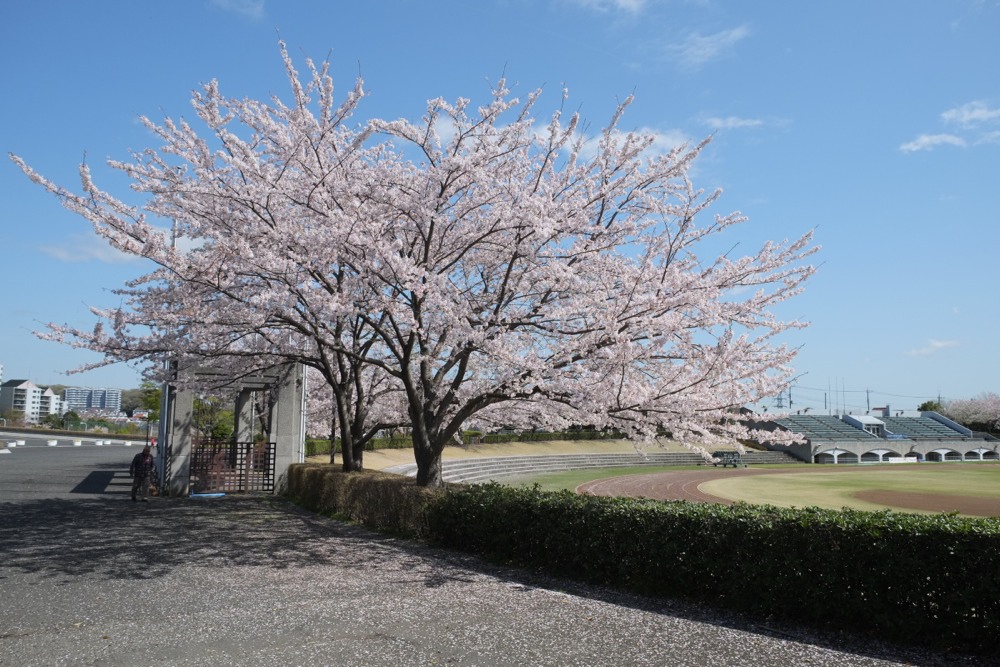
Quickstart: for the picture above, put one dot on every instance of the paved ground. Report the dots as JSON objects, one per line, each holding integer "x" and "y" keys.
{"x": 88, "y": 577}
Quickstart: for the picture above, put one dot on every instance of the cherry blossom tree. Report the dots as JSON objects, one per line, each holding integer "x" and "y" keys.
{"x": 224, "y": 301}
{"x": 447, "y": 268}
{"x": 981, "y": 412}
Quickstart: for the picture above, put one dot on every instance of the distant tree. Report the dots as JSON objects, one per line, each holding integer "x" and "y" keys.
{"x": 212, "y": 418}
{"x": 53, "y": 421}
{"x": 930, "y": 406}
{"x": 150, "y": 397}
{"x": 981, "y": 413}
{"x": 131, "y": 400}
{"x": 14, "y": 418}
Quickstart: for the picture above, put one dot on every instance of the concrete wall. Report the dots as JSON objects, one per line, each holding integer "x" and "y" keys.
{"x": 965, "y": 450}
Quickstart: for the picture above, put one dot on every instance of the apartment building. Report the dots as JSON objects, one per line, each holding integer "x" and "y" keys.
{"x": 34, "y": 402}
{"x": 80, "y": 399}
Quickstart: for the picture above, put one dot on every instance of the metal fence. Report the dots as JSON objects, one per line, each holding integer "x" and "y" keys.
{"x": 232, "y": 467}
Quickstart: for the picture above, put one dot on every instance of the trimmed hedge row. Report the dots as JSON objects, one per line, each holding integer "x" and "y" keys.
{"x": 915, "y": 579}
{"x": 316, "y": 446}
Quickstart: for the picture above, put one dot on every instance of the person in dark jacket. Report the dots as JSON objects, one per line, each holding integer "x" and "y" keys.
{"x": 142, "y": 471}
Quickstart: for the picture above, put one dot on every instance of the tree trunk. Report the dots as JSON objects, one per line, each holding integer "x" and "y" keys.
{"x": 358, "y": 455}
{"x": 346, "y": 436}
{"x": 352, "y": 449}
{"x": 428, "y": 463}
{"x": 333, "y": 445}
{"x": 347, "y": 454}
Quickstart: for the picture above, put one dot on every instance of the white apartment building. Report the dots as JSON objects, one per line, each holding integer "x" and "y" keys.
{"x": 81, "y": 399}
{"x": 34, "y": 402}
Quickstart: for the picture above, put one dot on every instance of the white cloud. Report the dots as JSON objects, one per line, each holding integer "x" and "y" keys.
{"x": 989, "y": 138}
{"x": 697, "y": 49}
{"x": 251, "y": 9}
{"x": 932, "y": 347}
{"x": 976, "y": 123}
{"x": 629, "y": 6}
{"x": 929, "y": 141}
{"x": 84, "y": 248}
{"x": 972, "y": 113}
{"x": 732, "y": 123}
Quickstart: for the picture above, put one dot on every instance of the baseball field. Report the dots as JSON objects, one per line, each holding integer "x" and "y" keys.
{"x": 971, "y": 489}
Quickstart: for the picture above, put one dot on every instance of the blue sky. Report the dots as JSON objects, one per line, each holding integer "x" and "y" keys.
{"x": 875, "y": 123}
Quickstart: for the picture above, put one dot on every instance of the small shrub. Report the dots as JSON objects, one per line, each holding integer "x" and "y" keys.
{"x": 391, "y": 503}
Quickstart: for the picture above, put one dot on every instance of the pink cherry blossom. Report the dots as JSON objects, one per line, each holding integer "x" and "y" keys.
{"x": 476, "y": 265}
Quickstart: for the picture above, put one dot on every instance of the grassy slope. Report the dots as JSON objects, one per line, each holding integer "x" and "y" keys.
{"x": 386, "y": 458}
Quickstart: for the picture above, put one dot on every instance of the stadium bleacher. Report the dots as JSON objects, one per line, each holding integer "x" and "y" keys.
{"x": 823, "y": 428}
{"x": 921, "y": 428}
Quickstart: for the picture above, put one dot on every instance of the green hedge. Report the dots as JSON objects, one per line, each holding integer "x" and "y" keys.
{"x": 403, "y": 442}
{"x": 317, "y": 446}
{"x": 916, "y": 579}
{"x": 920, "y": 580}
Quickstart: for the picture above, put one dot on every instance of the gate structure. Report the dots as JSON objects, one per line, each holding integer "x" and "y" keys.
{"x": 232, "y": 467}
{"x": 189, "y": 466}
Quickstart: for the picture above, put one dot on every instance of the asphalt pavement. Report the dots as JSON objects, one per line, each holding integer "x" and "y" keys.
{"x": 88, "y": 577}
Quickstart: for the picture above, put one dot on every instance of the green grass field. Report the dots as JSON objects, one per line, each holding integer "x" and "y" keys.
{"x": 837, "y": 489}
{"x": 570, "y": 479}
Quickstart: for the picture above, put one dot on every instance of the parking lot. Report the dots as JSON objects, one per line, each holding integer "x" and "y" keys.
{"x": 36, "y": 470}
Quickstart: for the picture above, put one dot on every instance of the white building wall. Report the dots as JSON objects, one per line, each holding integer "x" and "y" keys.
{"x": 26, "y": 398}
{"x": 51, "y": 404}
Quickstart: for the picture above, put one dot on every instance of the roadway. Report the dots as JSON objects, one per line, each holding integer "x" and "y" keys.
{"x": 37, "y": 470}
